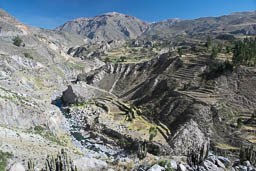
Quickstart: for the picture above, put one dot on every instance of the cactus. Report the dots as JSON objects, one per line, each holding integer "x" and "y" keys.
{"x": 59, "y": 163}
{"x": 248, "y": 153}
{"x": 31, "y": 166}
{"x": 198, "y": 155}
{"x": 142, "y": 150}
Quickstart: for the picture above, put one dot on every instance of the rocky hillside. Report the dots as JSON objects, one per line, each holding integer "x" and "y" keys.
{"x": 236, "y": 23}
{"x": 106, "y": 27}
{"x": 158, "y": 104}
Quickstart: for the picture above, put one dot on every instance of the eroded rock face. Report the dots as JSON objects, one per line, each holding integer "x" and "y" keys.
{"x": 81, "y": 93}
{"x": 150, "y": 85}
{"x": 187, "y": 138}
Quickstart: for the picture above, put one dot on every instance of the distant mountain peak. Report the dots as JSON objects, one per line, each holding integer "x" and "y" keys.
{"x": 106, "y": 27}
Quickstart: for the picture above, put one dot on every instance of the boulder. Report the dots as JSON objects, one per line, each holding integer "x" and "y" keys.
{"x": 181, "y": 167}
{"x": 173, "y": 164}
{"x": 224, "y": 160}
{"x": 156, "y": 167}
{"x": 220, "y": 164}
{"x": 208, "y": 165}
{"x": 17, "y": 167}
{"x": 84, "y": 164}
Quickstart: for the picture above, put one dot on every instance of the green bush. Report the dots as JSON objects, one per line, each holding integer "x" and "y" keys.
{"x": 17, "y": 41}
{"x": 123, "y": 58}
{"x": 3, "y": 159}
{"x": 28, "y": 55}
{"x": 180, "y": 52}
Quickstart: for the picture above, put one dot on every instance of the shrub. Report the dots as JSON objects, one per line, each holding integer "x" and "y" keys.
{"x": 107, "y": 59}
{"x": 122, "y": 58}
{"x": 17, "y": 41}
{"x": 152, "y": 133}
{"x": 214, "y": 53}
{"x": 180, "y": 52}
{"x": 28, "y": 55}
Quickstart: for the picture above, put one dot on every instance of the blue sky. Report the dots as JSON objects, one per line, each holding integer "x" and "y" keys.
{"x": 52, "y": 13}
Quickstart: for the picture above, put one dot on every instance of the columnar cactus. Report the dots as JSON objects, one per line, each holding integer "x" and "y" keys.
{"x": 59, "y": 163}
{"x": 198, "y": 155}
{"x": 248, "y": 153}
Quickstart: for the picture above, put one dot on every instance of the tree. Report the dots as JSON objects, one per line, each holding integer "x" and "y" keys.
{"x": 209, "y": 42}
{"x": 244, "y": 52}
{"x": 122, "y": 58}
{"x": 214, "y": 53}
{"x": 180, "y": 52}
{"x": 228, "y": 49}
{"x": 17, "y": 41}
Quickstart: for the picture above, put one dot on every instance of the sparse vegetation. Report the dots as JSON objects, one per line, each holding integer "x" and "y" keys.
{"x": 152, "y": 133}
{"x": 28, "y": 55}
{"x": 3, "y": 159}
{"x": 208, "y": 42}
{"x": 244, "y": 52}
{"x": 180, "y": 52}
{"x": 214, "y": 53}
{"x": 17, "y": 41}
{"x": 123, "y": 58}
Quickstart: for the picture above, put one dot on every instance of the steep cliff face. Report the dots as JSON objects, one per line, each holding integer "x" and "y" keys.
{"x": 106, "y": 27}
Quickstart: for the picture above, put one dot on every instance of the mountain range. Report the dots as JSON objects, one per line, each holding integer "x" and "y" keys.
{"x": 116, "y": 26}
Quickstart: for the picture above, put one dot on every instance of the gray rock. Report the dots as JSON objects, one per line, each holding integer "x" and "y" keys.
{"x": 247, "y": 163}
{"x": 181, "y": 167}
{"x": 81, "y": 93}
{"x": 156, "y": 167}
{"x": 208, "y": 165}
{"x": 242, "y": 168}
{"x": 220, "y": 164}
{"x": 212, "y": 159}
{"x": 85, "y": 164}
{"x": 224, "y": 160}
{"x": 173, "y": 164}
{"x": 232, "y": 169}
{"x": 17, "y": 167}
{"x": 188, "y": 135}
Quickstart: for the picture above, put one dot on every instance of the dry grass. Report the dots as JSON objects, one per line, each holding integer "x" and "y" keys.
{"x": 226, "y": 147}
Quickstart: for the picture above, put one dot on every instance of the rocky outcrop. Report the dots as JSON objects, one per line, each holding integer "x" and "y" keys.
{"x": 187, "y": 138}
{"x": 17, "y": 167}
{"x": 82, "y": 93}
{"x": 85, "y": 163}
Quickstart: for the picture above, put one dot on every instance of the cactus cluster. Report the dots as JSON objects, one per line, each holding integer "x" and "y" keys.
{"x": 142, "y": 150}
{"x": 31, "y": 165}
{"x": 60, "y": 163}
{"x": 248, "y": 153}
{"x": 198, "y": 155}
